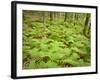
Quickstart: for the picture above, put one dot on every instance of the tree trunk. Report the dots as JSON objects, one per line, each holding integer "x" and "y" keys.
{"x": 87, "y": 24}
{"x": 65, "y": 19}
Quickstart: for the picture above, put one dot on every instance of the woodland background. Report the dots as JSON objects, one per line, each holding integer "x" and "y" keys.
{"x": 56, "y": 39}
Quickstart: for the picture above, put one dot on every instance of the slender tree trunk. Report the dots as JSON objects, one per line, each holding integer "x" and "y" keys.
{"x": 43, "y": 14}
{"x": 86, "y": 25}
{"x": 51, "y": 17}
{"x": 65, "y": 19}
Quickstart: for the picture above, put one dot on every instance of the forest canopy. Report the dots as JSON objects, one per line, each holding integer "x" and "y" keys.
{"x": 56, "y": 39}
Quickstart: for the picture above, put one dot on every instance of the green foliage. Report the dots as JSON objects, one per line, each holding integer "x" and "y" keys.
{"x": 56, "y": 44}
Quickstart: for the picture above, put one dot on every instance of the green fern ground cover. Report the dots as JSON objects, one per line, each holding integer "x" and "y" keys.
{"x": 54, "y": 40}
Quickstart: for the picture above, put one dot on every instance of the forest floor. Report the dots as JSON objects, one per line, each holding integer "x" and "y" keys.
{"x": 54, "y": 44}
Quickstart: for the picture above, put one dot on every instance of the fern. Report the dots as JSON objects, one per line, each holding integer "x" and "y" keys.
{"x": 53, "y": 44}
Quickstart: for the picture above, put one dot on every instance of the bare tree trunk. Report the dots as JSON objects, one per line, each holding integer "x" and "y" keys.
{"x": 43, "y": 18}
{"x": 87, "y": 24}
{"x": 65, "y": 19}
